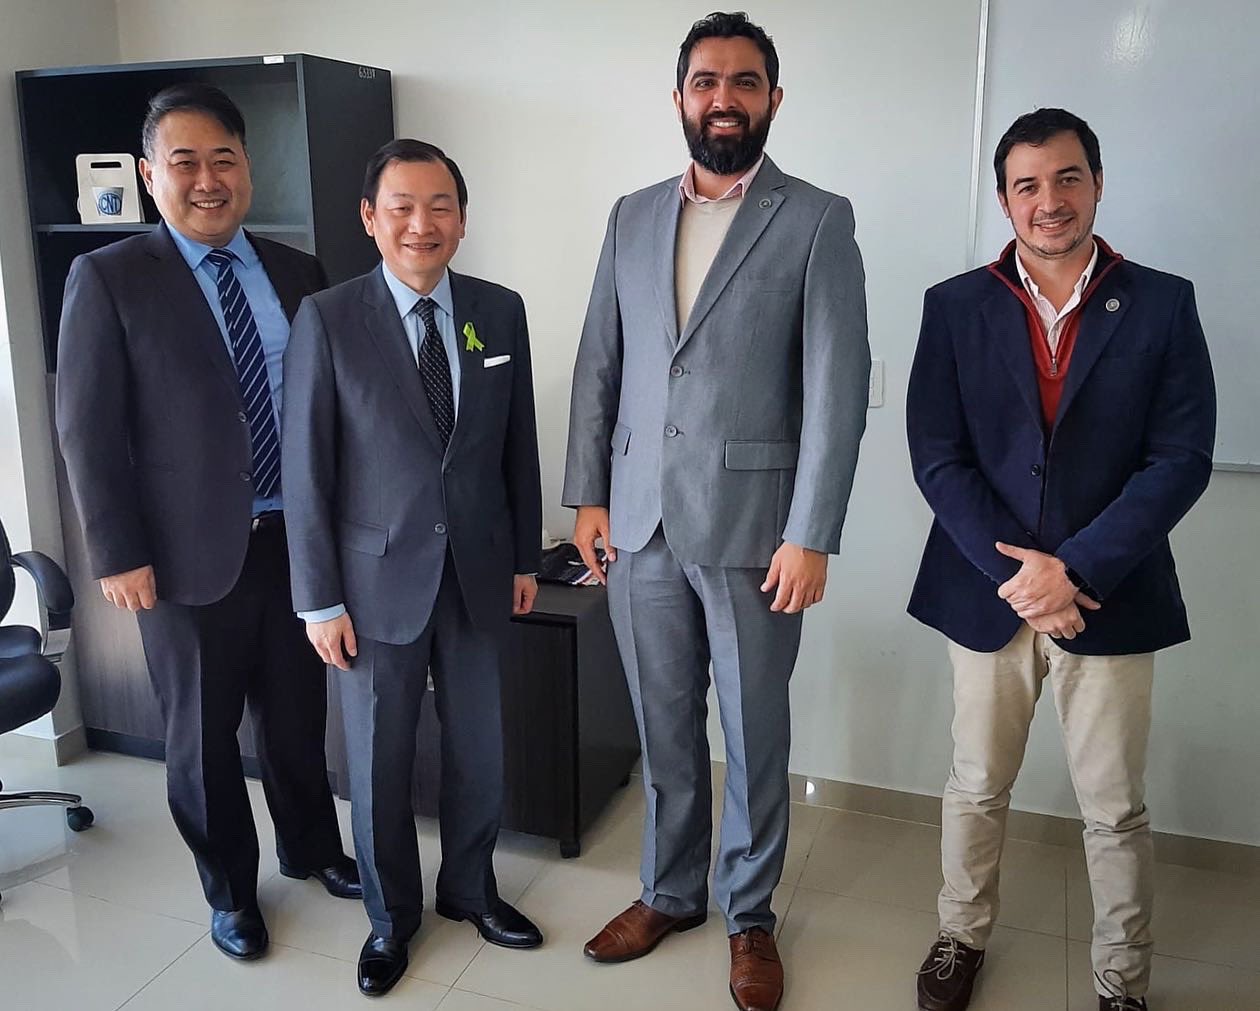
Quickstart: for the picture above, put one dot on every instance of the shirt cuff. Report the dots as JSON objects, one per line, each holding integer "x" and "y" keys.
{"x": 323, "y": 614}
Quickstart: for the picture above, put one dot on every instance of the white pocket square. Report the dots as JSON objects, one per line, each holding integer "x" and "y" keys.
{"x": 490, "y": 363}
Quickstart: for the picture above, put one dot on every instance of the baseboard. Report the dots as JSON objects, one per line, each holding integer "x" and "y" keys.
{"x": 1188, "y": 851}
{"x": 60, "y": 750}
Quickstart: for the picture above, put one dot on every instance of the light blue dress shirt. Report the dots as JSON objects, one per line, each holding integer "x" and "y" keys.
{"x": 273, "y": 324}
{"x": 405, "y": 299}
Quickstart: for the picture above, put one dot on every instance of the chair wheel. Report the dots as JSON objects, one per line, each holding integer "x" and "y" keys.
{"x": 79, "y": 818}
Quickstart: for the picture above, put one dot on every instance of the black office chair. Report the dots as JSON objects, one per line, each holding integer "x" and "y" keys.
{"x": 29, "y": 679}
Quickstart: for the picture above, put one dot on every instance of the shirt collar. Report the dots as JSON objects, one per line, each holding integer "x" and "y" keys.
{"x": 194, "y": 252}
{"x": 1081, "y": 284}
{"x": 687, "y": 184}
{"x": 405, "y": 298}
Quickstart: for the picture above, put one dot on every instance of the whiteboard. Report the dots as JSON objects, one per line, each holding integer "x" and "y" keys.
{"x": 1173, "y": 91}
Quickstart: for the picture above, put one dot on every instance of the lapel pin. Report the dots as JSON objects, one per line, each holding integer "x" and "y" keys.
{"x": 1113, "y": 304}
{"x": 766, "y": 203}
{"x": 471, "y": 343}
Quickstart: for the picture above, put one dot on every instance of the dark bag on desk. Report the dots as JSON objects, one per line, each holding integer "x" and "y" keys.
{"x": 563, "y": 564}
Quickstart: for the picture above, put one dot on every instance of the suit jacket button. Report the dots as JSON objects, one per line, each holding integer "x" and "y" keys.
{"x": 1036, "y": 470}
{"x": 245, "y": 475}
{"x": 676, "y": 371}
{"x": 670, "y": 431}
{"x": 439, "y": 528}
{"x": 242, "y": 417}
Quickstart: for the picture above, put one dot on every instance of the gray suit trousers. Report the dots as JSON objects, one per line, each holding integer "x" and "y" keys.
{"x": 671, "y": 620}
{"x": 380, "y": 697}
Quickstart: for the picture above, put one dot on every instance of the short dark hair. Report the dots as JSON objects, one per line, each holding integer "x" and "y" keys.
{"x": 191, "y": 96}
{"x": 728, "y": 26}
{"x": 1039, "y": 126}
{"x": 406, "y": 149}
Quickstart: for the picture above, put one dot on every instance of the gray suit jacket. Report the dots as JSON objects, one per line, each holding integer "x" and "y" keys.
{"x": 741, "y": 432}
{"x": 150, "y": 418}
{"x": 371, "y": 500}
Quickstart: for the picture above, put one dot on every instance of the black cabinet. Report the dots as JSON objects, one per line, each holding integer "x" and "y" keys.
{"x": 311, "y": 124}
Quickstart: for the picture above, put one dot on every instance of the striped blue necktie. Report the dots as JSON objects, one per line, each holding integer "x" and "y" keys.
{"x": 251, "y": 371}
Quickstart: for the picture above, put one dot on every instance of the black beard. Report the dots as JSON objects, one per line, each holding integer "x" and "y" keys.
{"x": 726, "y": 156}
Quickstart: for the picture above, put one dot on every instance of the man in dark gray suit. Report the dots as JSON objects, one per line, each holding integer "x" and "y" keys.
{"x": 718, "y": 400}
{"x": 168, "y": 397}
{"x": 411, "y": 454}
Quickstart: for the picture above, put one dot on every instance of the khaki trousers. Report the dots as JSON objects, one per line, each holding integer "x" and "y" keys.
{"x": 1104, "y": 706}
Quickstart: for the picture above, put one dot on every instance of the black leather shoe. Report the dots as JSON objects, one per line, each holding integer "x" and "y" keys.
{"x": 239, "y": 933}
{"x": 381, "y": 964}
{"x": 1121, "y": 1003}
{"x": 340, "y": 879}
{"x": 948, "y": 975}
{"x": 502, "y": 924}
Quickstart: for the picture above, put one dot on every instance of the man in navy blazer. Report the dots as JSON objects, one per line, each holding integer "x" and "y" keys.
{"x": 1061, "y": 415}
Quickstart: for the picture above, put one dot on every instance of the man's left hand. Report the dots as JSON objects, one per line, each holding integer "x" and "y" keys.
{"x": 800, "y": 575}
{"x": 1040, "y": 587}
{"x": 524, "y": 590}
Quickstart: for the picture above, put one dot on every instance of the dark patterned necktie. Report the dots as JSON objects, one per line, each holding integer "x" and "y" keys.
{"x": 251, "y": 372}
{"x": 435, "y": 372}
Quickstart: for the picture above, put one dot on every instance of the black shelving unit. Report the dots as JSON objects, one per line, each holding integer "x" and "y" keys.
{"x": 311, "y": 124}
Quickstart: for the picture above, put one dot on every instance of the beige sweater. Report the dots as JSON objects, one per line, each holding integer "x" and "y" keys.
{"x": 701, "y": 229}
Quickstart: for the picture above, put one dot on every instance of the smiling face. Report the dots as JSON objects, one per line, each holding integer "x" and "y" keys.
{"x": 198, "y": 177}
{"x": 726, "y": 104}
{"x": 1051, "y": 197}
{"x": 416, "y": 221}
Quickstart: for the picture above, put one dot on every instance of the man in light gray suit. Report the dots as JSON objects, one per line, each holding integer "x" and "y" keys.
{"x": 411, "y": 462}
{"x": 719, "y": 397}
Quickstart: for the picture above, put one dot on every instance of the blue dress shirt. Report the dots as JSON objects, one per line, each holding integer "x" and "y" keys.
{"x": 405, "y": 299}
{"x": 273, "y": 324}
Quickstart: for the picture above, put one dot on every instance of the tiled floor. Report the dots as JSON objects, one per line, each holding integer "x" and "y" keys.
{"x": 113, "y": 918}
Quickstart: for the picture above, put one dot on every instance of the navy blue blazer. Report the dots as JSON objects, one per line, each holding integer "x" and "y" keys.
{"x": 1129, "y": 453}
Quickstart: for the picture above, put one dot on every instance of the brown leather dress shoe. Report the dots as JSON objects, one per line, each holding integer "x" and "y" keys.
{"x": 635, "y": 932}
{"x": 756, "y": 972}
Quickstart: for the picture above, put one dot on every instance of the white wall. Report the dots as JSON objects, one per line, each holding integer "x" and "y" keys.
{"x": 34, "y": 33}
{"x": 555, "y": 110}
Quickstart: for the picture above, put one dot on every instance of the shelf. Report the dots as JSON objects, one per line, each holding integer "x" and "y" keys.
{"x": 133, "y": 227}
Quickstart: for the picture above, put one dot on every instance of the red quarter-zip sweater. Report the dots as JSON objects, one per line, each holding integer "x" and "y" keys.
{"x": 1052, "y": 370}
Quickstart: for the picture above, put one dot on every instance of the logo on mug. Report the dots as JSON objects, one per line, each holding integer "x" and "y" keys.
{"x": 109, "y": 201}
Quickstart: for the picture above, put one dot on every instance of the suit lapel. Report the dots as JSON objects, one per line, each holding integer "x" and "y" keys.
{"x": 1006, "y": 323}
{"x": 1098, "y": 325}
{"x": 386, "y": 329}
{"x": 176, "y": 282}
{"x": 472, "y": 370}
{"x": 668, "y": 208}
{"x": 757, "y": 207}
{"x": 290, "y": 288}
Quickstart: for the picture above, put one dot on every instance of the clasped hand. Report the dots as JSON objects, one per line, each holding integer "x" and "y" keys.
{"x": 1042, "y": 594}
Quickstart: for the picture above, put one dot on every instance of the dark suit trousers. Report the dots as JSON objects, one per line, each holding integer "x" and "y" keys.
{"x": 381, "y": 696}
{"x": 205, "y": 663}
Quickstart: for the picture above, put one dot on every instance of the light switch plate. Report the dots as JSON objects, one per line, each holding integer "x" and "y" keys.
{"x": 875, "y": 390}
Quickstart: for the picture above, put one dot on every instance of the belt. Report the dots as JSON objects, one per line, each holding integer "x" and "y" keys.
{"x": 273, "y": 518}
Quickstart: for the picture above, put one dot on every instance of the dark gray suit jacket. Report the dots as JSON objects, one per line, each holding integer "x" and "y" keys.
{"x": 150, "y": 418}
{"x": 372, "y": 502}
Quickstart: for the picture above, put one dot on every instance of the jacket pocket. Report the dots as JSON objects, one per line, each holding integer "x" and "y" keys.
{"x": 746, "y": 455}
{"x": 364, "y": 537}
{"x": 621, "y": 439}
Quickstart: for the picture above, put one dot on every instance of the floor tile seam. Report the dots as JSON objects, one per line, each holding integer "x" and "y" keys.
{"x": 161, "y": 972}
{"x": 114, "y": 902}
{"x": 915, "y": 909}
{"x": 489, "y": 996}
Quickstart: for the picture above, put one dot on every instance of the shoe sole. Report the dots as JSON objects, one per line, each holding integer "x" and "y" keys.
{"x": 741, "y": 1006}
{"x": 681, "y": 927}
{"x": 449, "y": 913}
